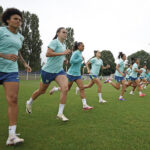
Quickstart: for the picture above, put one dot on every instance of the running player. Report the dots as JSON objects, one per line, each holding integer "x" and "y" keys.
{"x": 74, "y": 73}
{"x": 134, "y": 76}
{"x": 96, "y": 64}
{"x": 10, "y": 44}
{"x": 119, "y": 75}
{"x": 53, "y": 71}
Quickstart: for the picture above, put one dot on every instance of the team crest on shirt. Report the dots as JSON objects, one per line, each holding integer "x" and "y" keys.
{"x": 47, "y": 81}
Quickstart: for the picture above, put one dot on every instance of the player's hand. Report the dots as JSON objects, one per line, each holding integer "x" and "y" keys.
{"x": 140, "y": 71}
{"x": 11, "y": 57}
{"x": 123, "y": 74}
{"x": 108, "y": 66}
{"x": 88, "y": 71}
{"x": 66, "y": 62}
{"x": 67, "y": 51}
{"x": 28, "y": 68}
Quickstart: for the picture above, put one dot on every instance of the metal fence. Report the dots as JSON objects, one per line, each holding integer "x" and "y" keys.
{"x": 36, "y": 76}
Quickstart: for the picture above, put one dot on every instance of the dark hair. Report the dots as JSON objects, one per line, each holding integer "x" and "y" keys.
{"x": 120, "y": 55}
{"x": 58, "y": 30}
{"x": 76, "y": 45}
{"x": 133, "y": 60}
{"x": 8, "y": 13}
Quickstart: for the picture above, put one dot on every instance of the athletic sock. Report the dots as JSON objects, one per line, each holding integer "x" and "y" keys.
{"x": 84, "y": 102}
{"x": 30, "y": 101}
{"x": 12, "y": 130}
{"x": 100, "y": 96}
{"x": 61, "y": 108}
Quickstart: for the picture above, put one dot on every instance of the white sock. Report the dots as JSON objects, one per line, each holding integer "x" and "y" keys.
{"x": 110, "y": 81}
{"x": 100, "y": 96}
{"x": 140, "y": 92}
{"x": 12, "y": 130}
{"x": 55, "y": 89}
{"x": 84, "y": 101}
{"x": 61, "y": 108}
{"x": 121, "y": 96}
{"x": 30, "y": 101}
{"x": 131, "y": 92}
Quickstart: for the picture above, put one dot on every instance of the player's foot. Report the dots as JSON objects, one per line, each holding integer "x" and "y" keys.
{"x": 142, "y": 95}
{"x": 52, "y": 90}
{"x": 28, "y": 107}
{"x": 13, "y": 140}
{"x": 121, "y": 99}
{"x": 107, "y": 81}
{"x": 77, "y": 90}
{"x": 87, "y": 107}
{"x": 102, "y": 101}
{"x": 62, "y": 117}
{"x": 131, "y": 93}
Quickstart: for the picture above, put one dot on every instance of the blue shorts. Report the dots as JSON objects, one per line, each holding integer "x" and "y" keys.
{"x": 141, "y": 78}
{"x": 73, "y": 78}
{"x": 9, "y": 77}
{"x": 133, "y": 79}
{"x": 119, "y": 79}
{"x": 47, "y": 77}
{"x": 93, "y": 76}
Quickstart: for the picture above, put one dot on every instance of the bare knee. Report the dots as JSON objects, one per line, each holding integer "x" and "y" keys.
{"x": 64, "y": 89}
{"x": 41, "y": 91}
{"x": 12, "y": 99}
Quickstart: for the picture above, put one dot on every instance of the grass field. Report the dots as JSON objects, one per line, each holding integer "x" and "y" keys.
{"x": 116, "y": 125}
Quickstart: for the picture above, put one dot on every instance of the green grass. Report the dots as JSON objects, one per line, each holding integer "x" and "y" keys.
{"x": 115, "y": 125}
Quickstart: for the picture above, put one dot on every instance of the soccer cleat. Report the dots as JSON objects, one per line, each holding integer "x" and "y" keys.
{"x": 13, "y": 140}
{"x": 62, "y": 117}
{"x": 142, "y": 95}
{"x": 107, "y": 81}
{"x": 77, "y": 90}
{"x": 87, "y": 107}
{"x": 121, "y": 99}
{"x": 28, "y": 108}
{"x": 102, "y": 101}
{"x": 131, "y": 93}
{"x": 52, "y": 90}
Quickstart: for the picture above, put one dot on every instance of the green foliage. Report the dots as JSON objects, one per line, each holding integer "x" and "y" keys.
{"x": 143, "y": 56}
{"x": 108, "y": 58}
{"x": 32, "y": 44}
{"x": 1, "y": 11}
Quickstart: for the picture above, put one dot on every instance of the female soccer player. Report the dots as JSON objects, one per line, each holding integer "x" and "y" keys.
{"x": 134, "y": 76}
{"x": 10, "y": 43}
{"x": 128, "y": 71}
{"x": 143, "y": 76}
{"x": 119, "y": 75}
{"x": 74, "y": 73}
{"x": 53, "y": 70}
{"x": 96, "y": 64}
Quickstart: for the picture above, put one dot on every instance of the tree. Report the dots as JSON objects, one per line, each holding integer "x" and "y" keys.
{"x": 108, "y": 58}
{"x": 32, "y": 43}
{"x": 143, "y": 56}
{"x": 1, "y": 11}
{"x": 69, "y": 44}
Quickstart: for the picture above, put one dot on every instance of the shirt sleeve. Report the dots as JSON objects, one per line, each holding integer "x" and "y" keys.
{"x": 102, "y": 63}
{"x": 1, "y": 33}
{"x": 92, "y": 60}
{"x": 75, "y": 58}
{"x": 53, "y": 45}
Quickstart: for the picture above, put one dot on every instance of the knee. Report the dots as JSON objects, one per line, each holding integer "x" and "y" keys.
{"x": 64, "y": 89}
{"x": 12, "y": 99}
{"x": 42, "y": 91}
{"x": 81, "y": 88}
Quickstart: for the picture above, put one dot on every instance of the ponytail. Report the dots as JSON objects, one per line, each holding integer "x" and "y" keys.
{"x": 58, "y": 30}
{"x": 120, "y": 55}
{"x": 76, "y": 45}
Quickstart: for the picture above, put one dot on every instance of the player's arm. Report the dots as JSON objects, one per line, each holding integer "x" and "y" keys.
{"x": 106, "y": 67}
{"x": 138, "y": 70}
{"x": 51, "y": 53}
{"x": 117, "y": 68}
{"x": 11, "y": 57}
{"x": 87, "y": 66}
{"x": 27, "y": 67}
